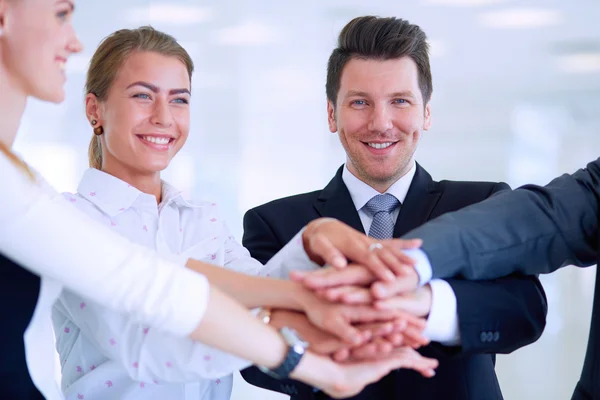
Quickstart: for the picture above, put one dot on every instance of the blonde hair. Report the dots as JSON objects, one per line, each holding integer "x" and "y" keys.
{"x": 16, "y": 160}
{"x": 110, "y": 56}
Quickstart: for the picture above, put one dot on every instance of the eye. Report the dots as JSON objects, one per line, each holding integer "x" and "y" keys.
{"x": 359, "y": 102}
{"x": 143, "y": 96}
{"x": 400, "y": 101}
{"x": 181, "y": 100}
{"x": 63, "y": 15}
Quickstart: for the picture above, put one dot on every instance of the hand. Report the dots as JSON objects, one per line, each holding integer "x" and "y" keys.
{"x": 324, "y": 343}
{"x": 329, "y": 241}
{"x": 338, "y": 319}
{"x": 345, "y": 380}
{"x": 417, "y": 302}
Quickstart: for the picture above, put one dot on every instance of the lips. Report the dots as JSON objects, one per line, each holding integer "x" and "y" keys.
{"x": 62, "y": 62}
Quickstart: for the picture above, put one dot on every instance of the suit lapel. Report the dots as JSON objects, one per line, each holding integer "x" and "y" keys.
{"x": 335, "y": 202}
{"x": 420, "y": 200}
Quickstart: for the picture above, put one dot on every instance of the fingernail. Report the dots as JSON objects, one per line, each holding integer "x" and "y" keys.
{"x": 389, "y": 276}
{"x": 338, "y": 262}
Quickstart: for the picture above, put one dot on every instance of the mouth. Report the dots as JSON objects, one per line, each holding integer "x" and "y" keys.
{"x": 62, "y": 63}
{"x": 379, "y": 147}
{"x": 157, "y": 142}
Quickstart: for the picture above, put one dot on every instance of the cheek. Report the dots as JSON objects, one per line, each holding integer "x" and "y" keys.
{"x": 409, "y": 121}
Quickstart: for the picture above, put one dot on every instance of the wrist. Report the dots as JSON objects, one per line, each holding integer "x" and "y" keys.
{"x": 302, "y": 298}
{"x": 318, "y": 371}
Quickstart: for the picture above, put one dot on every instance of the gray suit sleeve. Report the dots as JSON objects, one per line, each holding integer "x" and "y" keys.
{"x": 531, "y": 230}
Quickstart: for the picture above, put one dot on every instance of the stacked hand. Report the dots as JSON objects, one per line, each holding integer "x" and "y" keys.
{"x": 364, "y": 310}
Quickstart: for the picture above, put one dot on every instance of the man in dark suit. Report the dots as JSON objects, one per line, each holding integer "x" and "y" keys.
{"x": 378, "y": 90}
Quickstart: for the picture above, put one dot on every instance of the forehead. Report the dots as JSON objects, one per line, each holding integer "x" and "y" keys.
{"x": 164, "y": 71}
{"x": 374, "y": 76}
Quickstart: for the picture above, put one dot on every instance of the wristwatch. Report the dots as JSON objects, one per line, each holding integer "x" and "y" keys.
{"x": 296, "y": 350}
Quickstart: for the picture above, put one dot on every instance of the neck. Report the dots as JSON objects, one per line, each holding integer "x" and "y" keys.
{"x": 381, "y": 185}
{"x": 149, "y": 183}
{"x": 12, "y": 106}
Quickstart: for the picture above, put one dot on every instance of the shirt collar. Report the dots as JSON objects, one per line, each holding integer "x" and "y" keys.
{"x": 113, "y": 196}
{"x": 361, "y": 193}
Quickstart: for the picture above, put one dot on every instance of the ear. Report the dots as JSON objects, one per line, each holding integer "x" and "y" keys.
{"x": 427, "y": 123}
{"x": 93, "y": 109}
{"x": 331, "y": 117}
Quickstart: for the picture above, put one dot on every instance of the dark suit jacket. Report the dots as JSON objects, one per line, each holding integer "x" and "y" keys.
{"x": 530, "y": 230}
{"x": 494, "y": 316}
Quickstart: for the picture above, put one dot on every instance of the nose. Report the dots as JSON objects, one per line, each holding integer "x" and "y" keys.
{"x": 161, "y": 115}
{"x": 380, "y": 120}
{"x": 74, "y": 46}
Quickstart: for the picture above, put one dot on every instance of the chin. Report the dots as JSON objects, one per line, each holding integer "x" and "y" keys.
{"x": 52, "y": 95}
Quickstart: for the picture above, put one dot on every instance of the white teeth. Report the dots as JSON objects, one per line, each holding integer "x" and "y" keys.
{"x": 157, "y": 140}
{"x": 380, "y": 145}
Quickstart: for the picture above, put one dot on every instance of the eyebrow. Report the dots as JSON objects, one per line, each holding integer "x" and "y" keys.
{"x": 155, "y": 89}
{"x": 357, "y": 93}
{"x": 69, "y": 2}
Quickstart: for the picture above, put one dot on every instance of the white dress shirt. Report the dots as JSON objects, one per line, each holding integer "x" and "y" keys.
{"x": 104, "y": 353}
{"x": 46, "y": 234}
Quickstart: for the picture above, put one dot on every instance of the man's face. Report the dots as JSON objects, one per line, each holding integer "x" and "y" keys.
{"x": 380, "y": 116}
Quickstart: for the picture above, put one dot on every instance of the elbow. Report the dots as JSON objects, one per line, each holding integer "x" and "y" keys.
{"x": 530, "y": 326}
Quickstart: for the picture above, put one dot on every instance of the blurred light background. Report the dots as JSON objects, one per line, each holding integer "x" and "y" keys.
{"x": 516, "y": 95}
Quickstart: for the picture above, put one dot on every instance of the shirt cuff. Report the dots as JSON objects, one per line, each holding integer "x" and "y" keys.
{"x": 442, "y": 323}
{"x": 422, "y": 265}
{"x": 291, "y": 257}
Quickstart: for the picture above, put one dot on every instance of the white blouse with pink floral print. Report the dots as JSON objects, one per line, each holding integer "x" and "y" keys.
{"x": 105, "y": 354}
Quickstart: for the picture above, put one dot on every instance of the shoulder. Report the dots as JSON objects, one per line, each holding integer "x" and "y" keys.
{"x": 287, "y": 205}
{"x": 477, "y": 190}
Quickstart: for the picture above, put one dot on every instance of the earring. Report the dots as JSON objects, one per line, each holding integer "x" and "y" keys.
{"x": 98, "y": 131}
{"x": 93, "y": 122}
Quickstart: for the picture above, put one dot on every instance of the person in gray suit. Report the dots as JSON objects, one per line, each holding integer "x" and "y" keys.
{"x": 531, "y": 230}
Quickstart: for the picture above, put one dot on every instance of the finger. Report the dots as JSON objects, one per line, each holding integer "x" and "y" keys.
{"x": 396, "y": 339}
{"x": 384, "y": 347}
{"x": 329, "y": 277}
{"x": 402, "y": 244}
{"x": 413, "y": 360}
{"x": 402, "y": 284}
{"x": 375, "y": 370}
{"x": 405, "y": 303}
{"x": 378, "y": 329}
{"x": 339, "y": 327}
{"x": 365, "y": 352}
{"x": 342, "y": 355}
{"x": 361, "y": 313}
{"x": 371, "y": 260}
{"x": 338, "y": 293}
{"x": 297, "y": 276}
{"x": 415, "y": 337}
{"x": 321, "y": 246}
{"x": 401, "y": 255}
{"x": 357, "y": 296}
{"x": 395, "y": 259}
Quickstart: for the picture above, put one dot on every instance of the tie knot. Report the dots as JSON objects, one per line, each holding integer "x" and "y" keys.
{"x": 382, "y": 203}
